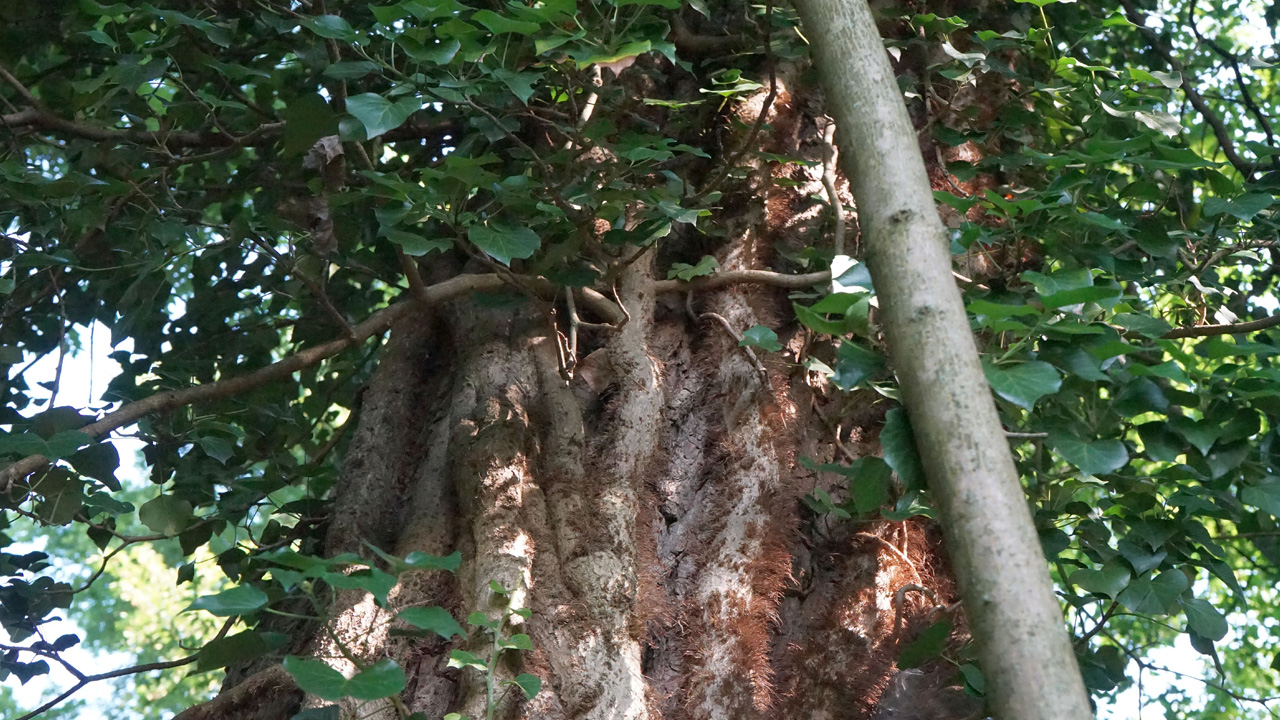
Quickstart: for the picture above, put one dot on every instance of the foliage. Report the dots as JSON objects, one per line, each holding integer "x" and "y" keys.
{"x": 222, "y": 190}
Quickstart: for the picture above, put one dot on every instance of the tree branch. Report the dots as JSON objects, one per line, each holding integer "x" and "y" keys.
{"x": 376, "y": 324}
{"x": 1195, "y": 331}
{"x": 743, "y": 277}
{"x": 1219, "y": 128}
{"x": 83, "y": 680}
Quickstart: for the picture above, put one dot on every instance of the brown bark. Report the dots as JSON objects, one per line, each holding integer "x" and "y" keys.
{"x": 652, "y": 519}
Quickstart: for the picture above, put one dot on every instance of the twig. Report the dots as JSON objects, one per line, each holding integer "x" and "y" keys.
{"x": 835, "y": 429}
{"x": 737, "y": 336}
{"x": 829, "y": 182}
{"x": 1225, "y": 329}
{"x": 410, "y": 268}
{"x": 83, "y": 680}
{"x": 1197, "y": 101}
{"x": 743, "y": 277}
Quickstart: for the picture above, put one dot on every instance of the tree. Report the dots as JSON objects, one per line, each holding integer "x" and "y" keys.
{"x": 491, "y": 351}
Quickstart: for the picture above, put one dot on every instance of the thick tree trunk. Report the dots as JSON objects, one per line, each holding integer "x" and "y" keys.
{"x": 649, "y": 511}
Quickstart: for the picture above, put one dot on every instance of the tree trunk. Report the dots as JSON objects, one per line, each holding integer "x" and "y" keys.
{"x": 649, "y": 511}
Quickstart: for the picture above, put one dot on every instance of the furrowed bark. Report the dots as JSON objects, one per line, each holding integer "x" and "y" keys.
{"x": 1023, "y": 643}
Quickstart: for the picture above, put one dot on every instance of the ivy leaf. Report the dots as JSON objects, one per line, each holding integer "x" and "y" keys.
{"x": 239, "y": 600}
{"x": 1024, "y": 383}
{"x": 685, "y": 271}
{"x": 505, "y": 243}
{"x": 1264, "y": 495}
{"x": 1096, "y": 457}
{"x": 381, "y": 679}
{"x": 498, "y": 24}
{"x": 316, "y": 678}
{"x": 761, "y": 337}
{"x": 898, "y": 444}
{"x": 929, "y": 645}
{"x": 422, "y": 561}
{"x": 1152, "y": 327}
{"x": 529, "y": 684}
{"x": 379, "y": 115}
{"x": 462, "y": 658}
{"x": 307, "y": 119}
{"x": 1204, "y": 619}
{"x": 435, "y": 618}
{"x": 99, "y": 462}
{"x": 330, "y": 26}
{"x": 217, "y": 448}
{"x": 816, "y": 322}
{"x": 1244, "y": 207}
{"x": 1110, "y": 580}
{"x": 222, "y": 652}
{"x": 855, "y": 364}
{"x": 413, "y": 244}
{"x": 1154, "y": 597}
{"x": 1200, "y": 433}
{"x": 166, "y": 514}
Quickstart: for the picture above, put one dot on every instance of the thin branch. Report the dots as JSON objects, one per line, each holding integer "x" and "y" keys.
{"x": 1234, "y": 61}
{"x": 377, "y": 323}
{"x": 737, "y": 336}
{"x": 829, "y": 182}
{"x": 1226, "y": 329}
{"x": 1215, "y": 122}
{"x": 136, "y": 669}
{"x": 743, "y": 277}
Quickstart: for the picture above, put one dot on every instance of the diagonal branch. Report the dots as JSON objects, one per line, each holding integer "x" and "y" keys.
{"x": 376, "y": 324}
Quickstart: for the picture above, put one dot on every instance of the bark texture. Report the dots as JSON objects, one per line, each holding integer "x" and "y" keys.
{"x": 648, "y": 510}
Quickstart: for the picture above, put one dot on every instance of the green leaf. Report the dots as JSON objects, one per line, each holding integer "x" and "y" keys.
{"x": 929, "y": 645}
{"x": 382, "y": 679}
{"x": 330, "y": 26}
{"x": 415, "y": 245}
{"x": 1244, "y": 207}
{"x": 854, "y": 365}
{"x": 519, "y": 83}
{"x": 379, "y": 115}
{"x": 898, "y": 444}
{"x": 1093, "y": 457}
{"x": 316, "y": 678}
{"x": 519, "y": 642}
{"x": 1024, "y": 383}
{"x": 436, "y": 619}
{"x": 1154, "y": 597}
{"x": 166, "y": 514}
{"x": 530, "y": 685}
{"x": 685, "y": 271}
{"x": 498, "y": 24}
{"x": 1110, "y": 580}
{"x": 1152, "y": 327}
{"x": 99, "y": 462}
{"x": 1204, "y": 619}
{"x": 422, "y": 561}
{"x": 1200, "y": 433}
{"x": 239, "y": 600}
{"x": 1264, "y": 495}
{"x": 761, "y": 337}
{"x": 217, "y": 448}
{"x": 505, "y": 243}
{"x": 462, "y": 659}
{"x": 222, "y": 652}
{"x": 350, "y": 69}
